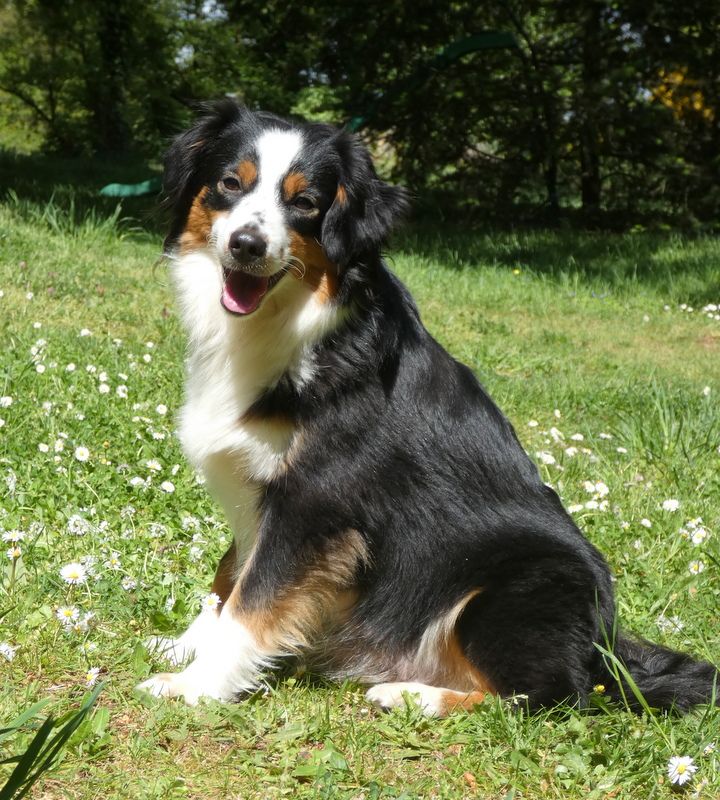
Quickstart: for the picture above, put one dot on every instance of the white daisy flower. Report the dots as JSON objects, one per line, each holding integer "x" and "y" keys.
{"x": 167, "y": 486}
{"x": 113, "y": 561}
{"x": 85, "y": 332}
{"x": 533, "y": 423}
{"x": 103, "y": 388}
{"x": 128, "y": 583}
{"x": 91, "y": 677}
{"x": 73, "y": 573}
{"x": 70, "y": 367}
{"x": 67, "y": 614}
{"x": 13, "y": 553}
{"x": 7, "y": 651}
{"x": 696, "y": 567}
{"x": 699, "y": 535}
{"x": 161, "y": 409}
{"x": 122, "y": 391}
{"x": 681, "y": 769}
{"x": 577, "y": 437}
{"x": 706, "y": 391}
{"x": 646, "y": 523}
{"x": 545, "y": 457}
{"x": 43, "y": 448}
{"x": 82, "y": 453}
{"x": 210, "y": 602}
{"x": 13, "y": 536}
{"x": 575, "y": 508}
{"x": 40, "y": 368}
{"x": 6, "y": 401}
{"x": 670, "y": 505}
{"x": 621, "y": 450}
{"x": 147, "y": 358}
{"x": 154, "y": 465}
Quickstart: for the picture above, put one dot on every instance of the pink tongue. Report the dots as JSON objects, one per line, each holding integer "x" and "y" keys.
{"x": 242, "y": 293}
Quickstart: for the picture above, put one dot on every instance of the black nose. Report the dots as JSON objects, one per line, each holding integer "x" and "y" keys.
{"x": 246, "y": 245}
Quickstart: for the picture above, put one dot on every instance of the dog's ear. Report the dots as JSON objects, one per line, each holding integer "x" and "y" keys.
{"x": 186, "y": 154}
{"x": 365, "y": 208}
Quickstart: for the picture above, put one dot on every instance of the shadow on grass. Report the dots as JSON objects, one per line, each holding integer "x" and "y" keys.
{"x": 676, "y": 264}
{"x": 76, "y": 182}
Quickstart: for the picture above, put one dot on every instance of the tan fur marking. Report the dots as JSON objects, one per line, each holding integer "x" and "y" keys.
{"x": 247, "y": 172}
{"x": 199, "y": 223}
{"x": 316, "y": 270}
{"x": 451, "y": 701}
{"x": 225, "y": 575}
{"x": 341, "y": 195}
{"x": 294, "y": 183}
{"x": 440, "y": 659}
{"x": 320, "y": 600}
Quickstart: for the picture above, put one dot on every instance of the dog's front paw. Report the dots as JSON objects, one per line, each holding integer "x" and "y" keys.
{"x": 185, "y": 684}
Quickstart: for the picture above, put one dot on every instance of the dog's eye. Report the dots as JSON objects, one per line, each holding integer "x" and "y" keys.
{"x": 304, "y": 203}
{"x": 230, "y": 184}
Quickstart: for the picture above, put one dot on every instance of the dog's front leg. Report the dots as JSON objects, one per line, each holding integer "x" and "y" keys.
{"x": 283, "y": 601}
{"x": 235, "y": 648}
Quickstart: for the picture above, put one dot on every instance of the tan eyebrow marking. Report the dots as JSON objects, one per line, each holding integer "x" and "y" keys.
{"x": 247, "y": 172}
{"x": 294, "y": 183}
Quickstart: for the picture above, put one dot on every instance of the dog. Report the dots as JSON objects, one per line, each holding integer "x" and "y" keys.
{"x": 388, "y": 526}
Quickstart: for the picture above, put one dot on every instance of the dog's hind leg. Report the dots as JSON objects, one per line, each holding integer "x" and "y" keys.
{"x": 434, "y": 701}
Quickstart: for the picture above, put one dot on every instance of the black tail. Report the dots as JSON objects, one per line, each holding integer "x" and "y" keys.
{"x": 666, "y": 679}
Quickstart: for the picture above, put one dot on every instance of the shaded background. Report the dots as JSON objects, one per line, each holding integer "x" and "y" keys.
{"x": 600, "y": 113}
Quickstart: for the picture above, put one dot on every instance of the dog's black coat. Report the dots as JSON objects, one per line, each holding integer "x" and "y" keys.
{"x": 402, "y": 444}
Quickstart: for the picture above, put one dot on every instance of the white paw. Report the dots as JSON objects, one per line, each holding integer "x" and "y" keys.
{"x": 393, "y": 695}
{"x": 183, "y": 684}
{"x": 174, "y": 651}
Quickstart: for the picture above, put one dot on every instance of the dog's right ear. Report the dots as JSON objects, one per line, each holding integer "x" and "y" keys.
{"x": 186, "y": 154}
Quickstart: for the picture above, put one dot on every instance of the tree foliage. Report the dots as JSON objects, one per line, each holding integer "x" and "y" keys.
{"x": 603, "y": 105}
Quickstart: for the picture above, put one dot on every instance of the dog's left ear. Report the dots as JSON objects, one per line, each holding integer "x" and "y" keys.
{"x": 365, "y": 208}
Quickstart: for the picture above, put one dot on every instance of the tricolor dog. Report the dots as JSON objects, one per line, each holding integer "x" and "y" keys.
{"x": 388, "y": 526}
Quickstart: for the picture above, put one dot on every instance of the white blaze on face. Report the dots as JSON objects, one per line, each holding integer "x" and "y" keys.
{"x": 262, "y": 207}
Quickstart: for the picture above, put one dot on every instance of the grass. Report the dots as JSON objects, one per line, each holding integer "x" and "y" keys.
{"x": 567, "y": 330}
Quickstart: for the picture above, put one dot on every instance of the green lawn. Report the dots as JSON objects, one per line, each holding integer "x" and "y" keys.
{"x": 581, "y": 339}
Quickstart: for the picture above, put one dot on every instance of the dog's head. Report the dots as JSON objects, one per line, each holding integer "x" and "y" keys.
{"x": 267, "y": 197}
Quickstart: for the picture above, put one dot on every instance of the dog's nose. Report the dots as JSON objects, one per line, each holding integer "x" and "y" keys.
{"x": 246, "y": 245}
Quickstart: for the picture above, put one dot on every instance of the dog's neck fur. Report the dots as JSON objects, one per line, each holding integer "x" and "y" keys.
{"x": 233, "y": 360}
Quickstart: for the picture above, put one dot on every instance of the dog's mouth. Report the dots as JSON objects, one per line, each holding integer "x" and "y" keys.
{"x": 242, "y": 293}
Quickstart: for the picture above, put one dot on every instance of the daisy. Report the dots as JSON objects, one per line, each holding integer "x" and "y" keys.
{"x": 161, "y": 409}
{"x": 671, "y": 505}
{"x": 7, "y": 651}
{"x": 85, "y": 332}
{"x": 73, "y": 573}
{"x": 545, "y": 457}
{"x": 6, "y": 401}
{"x": 210, "y": 602}
{"x": 147, "y": 358}
{"x": 43, "y": 448}
{"x": 128, "y": 583}
{"x": 699, "y": 535}
{"x": 122, "y": 391}
{"x": 104, "y": 388}
{"x": 70, "y": 367}
{"x": 114, "y": 561}
{"x": 681, "y": 769}
{"x": 67, "y": 614}
{"x": 154, "y": 465}
{"x": 646, "y": 523}
{"x": 13, "y": 553}
{"x": 82, "y": 453}
{"x": 167, "y": 486}
{"x": 577, "y": 437}
{"x": 91, "y": 677}
{"x": 696, "y": 567}
{"x": 13, "y": 536}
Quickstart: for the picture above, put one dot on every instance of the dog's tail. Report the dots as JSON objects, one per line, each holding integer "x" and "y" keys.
{"x": 643, "y": 674}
